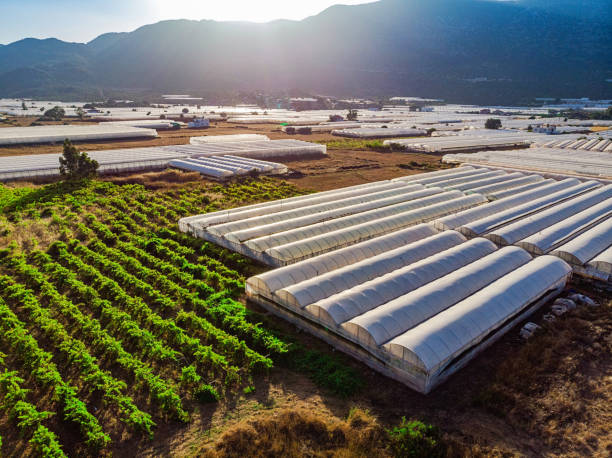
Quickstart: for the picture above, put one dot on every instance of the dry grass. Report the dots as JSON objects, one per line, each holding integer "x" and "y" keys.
{"x": 558, "y": 386}
{"x": 299, "y": 433}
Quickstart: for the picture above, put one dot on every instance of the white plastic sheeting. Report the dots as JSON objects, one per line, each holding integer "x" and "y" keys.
{"x": 440, "y": 145}
{"x": 489, "y": 223}
{"x": 541, "y": 221}
{"x": 566, "y": 229}
{"x": 293, "y": 219}
{"x": 378, "y": 326}
{"x": 228, "y": 138}
{"x": 495, "y": 180}
{"x": 199, "y": 222}
{"x": 301, "y": 249}
{"x": 380, "y": 132}
{"x": 587, "y": 245}
{"x": 513, "y": 183}
{"x": 411, "y": 201}
{"x": 603, "y": 261}
{"x": 266, "y": 283}
{"x": 440, "y": 173}
{"x": 587, "y": 163}
{"x": 58, "y": 133}
{"x": 514, "y": 191}
{"x": 327, "y": 284}
{"x": 222, "y": 168}
{"x": 111, "y": 161}
{"x": 507, "y": 203}
{"x": 435, "y": 344}
{"x": 261, "y": 149}
{"x": 371, "y": 295}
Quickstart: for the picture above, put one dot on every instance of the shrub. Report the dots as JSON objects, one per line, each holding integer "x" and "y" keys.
{"x": 493, "y": 123}
{"x": 415, "y": 439}
{"x": 75, "y": 165}
{"x": 206, "y": 393}
{"x": 304, "y": 131}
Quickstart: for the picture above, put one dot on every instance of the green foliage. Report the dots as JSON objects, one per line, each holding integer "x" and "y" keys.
{"x": 415, "y": 439}
{"x": 351, "y": 115}
{"x": 54, "y": 114}
{"x": 75, "y": 165}
{"x": 493, "y": 123}
{"x": 207, "y": 394}
{"x": 326, "y": 371}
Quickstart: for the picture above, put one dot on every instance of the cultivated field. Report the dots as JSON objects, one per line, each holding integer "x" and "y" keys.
{"x": 122, "y": 336}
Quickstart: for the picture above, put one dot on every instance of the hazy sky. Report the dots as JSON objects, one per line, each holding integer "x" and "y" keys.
{"x": 83, "y": 20}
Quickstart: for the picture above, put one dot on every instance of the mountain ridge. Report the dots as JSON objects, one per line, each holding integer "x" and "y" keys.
{"x": 460, "y": 50}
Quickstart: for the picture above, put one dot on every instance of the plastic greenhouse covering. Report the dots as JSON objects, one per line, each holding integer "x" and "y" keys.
{"x": 489, "y": 223}
{"x": 268, "y": 282}
{"x": 511, "y": 202}
{"x": 542, "y": 221}
{"x": 111, "y": 161}
{"x": 199, "y": 222}
{"x": 228, "y": 138}
{"x": 492, "y": 180}
{"x": 497, "y": 195}
{"x": 378, "y": 326}
{"x": 555, "y": 235}
{"x": 462, "y": 143}
{"x": 551, "y": 160}
{"x": 411, "y": 201}
{"x": 365, "y": 203}
{"x": 305, "y": 248}
{"x": 58, "y": 133}
{"x": 327, "y": 284}
{"x": 381, "y": 132}
{"x": 603, "y": 261}
{"x": 587, "y": 245}
{"x": 515, "y": 184}
{"x": 222, "y": 168}
{"x": 434, "y": 345}
{"x": 359, "y": 299}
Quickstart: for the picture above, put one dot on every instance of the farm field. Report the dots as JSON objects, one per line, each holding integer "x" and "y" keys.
{"x": 120, "y": 335}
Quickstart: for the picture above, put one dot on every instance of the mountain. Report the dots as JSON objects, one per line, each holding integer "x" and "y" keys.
{"x": 462, "y": 50}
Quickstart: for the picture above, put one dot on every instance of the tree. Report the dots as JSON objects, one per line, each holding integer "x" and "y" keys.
{"x": 23, "y": 106}
{"x": 75, "y": 165}
{"x": 185, "y": 110}
{"x": 493, "y": 123}
{"x": 55, "y": 114}
{"x": 351, "y": 115}
{"x": 80, "y": 113}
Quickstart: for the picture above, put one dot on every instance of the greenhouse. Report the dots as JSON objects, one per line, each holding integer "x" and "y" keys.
{"x": 379, "y": 292}
{"x": 111, "y": 161}
{"x": 441, "y": 145}
{"x": 260, "y": 149}
{"x": 306, "y": 248}
{"x": 489, "y": 223}
{"x": 223, "y": 168}
{"x": 513, "y": 183}
{"x": 266, "y": 283}
{"x": 379, "y": 132}
{"x": 392, "y": 318}
{"x": 544, "y": 220}
{"x": 502, "y": 194}
{"x": 557, "y": 234}
{"x": 433, "y": 350}
{"x": 587, "y": 245}
{"x": 411, "y": 201}
{"x": 603, "y": 262}
{"x": 58, "y": 133}
{"x": 507, "y": 203}
{"x": 550, "y": 160}
{"x": 228, "y": 138}
{"x": 327, "y": 284}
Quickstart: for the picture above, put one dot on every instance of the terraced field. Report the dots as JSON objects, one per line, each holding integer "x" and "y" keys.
{"x": 115, "y": 323}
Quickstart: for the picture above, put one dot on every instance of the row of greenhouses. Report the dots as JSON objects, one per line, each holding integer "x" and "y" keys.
{"x": 380, "y": 132}
{"x": 157, "y": 157}
{"x": 225, "y": 167}
{"x": 595, "y": 143}
{"x": 541, "y": 159}
{"x": 288, "y": 231}
{"x": 81, "y": 133}
{"x": 454, "y": 143}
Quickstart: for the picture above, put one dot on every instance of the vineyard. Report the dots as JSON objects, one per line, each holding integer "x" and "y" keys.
{"x": 113, "y": 324}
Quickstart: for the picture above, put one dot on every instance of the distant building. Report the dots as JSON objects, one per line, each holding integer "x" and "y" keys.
{"x": 199, "y": 123}
{"x": 303, "y": 103}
